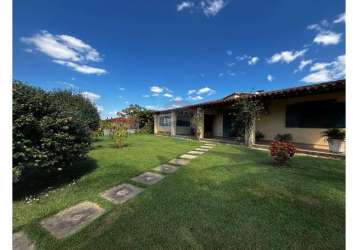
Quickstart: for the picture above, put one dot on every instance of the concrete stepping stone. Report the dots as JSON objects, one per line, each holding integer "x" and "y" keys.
{"x": 202, "y": 149}
{"x": 73, "y": 219}
{"x": 207, "y": 147}
{"x": 196, "y": 152}
{"x": 210, "y": 144}
{"x": 21, "y": 242}
{"x": 179, "y": 162}
{"x": 121, "y": 193}
{"x": 166, "y": 168}
{"x": 187, "y": 156}
{"x": 148, "y": 178}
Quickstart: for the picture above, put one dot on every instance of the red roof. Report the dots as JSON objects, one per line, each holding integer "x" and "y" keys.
{"x": 119, "y": 120}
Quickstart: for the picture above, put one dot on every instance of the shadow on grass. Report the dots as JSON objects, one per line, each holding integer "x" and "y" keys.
{"x": 41, "y": 181}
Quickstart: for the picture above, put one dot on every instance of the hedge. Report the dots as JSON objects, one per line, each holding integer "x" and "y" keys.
{"x": 50, "y": 130}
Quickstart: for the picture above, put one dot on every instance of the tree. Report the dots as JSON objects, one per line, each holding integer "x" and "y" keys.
{"x": 245, "y": 112}
{"x": 140, "y": 115}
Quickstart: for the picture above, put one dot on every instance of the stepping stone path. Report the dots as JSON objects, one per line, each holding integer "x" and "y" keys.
{"x": 148, "y": 178}
{"x": 121, "y": 193}
{"x": 196, "y": 152}
{"x": 166, "y": 168}
{"x": 202, "y": 149}
{"x": 179, "y": 162}
{"x": 187, "y": 156}
{"x": 73, "y": 219}
{"x": 21, "y": 242}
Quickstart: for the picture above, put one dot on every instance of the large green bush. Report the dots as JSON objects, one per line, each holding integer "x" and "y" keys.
{"x": 50, "y": 130}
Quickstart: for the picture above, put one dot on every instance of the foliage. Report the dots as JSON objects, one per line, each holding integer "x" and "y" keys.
{"x": 49, "y": 133}
{"x": 282, "y": 151}
{"x": 139, "y": 116}
{"x": 120, "y": 135}
{"x": 284, "y": 137}
{"x": 334, "y": 133}
{"x": 246, "y": 111}
{"x": 75, "y": 105}
{"x": 198, "y": 123}
{"x": 259, "y": 135}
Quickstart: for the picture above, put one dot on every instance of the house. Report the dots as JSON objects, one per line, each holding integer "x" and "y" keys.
{"x": 303, "y": 111}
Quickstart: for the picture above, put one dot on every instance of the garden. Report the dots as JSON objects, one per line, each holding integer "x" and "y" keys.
{"x": 229, "y": 197}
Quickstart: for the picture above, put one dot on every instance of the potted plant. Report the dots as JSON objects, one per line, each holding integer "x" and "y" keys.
{"x": 335, "y": 138}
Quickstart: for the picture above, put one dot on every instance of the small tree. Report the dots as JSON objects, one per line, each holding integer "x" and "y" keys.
{"x": 120, "y": 135}
{"x": 245, "y": 113}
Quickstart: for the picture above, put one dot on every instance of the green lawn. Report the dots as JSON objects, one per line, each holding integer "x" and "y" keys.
{"x": 230, "y": 198}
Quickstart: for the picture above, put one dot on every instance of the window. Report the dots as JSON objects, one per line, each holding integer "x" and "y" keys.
{"x": 164, "y": 121}
{"x": 183, "y": 123}
{"x": 316, "y": 114}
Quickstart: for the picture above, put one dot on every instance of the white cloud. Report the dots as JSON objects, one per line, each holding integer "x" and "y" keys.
{"x": 156, "y": 89}
{"x": 122, "y": 89}
{"x": 253, "y": 60}
{"x": 195, "y": 98}
{"x": 323, "y": 72}
{"x": 303, "y": 64}
{"x": 168, "y": 95}
{"x": 231, "y": 64}
{"x": 212, "y": 7}
{"x": 220, "y": 74}
{"x": 146, "y": 96}
{"x": 185, "y": 5}
{"x": 191, "y": 91}
{"x": 269, "y": 78}
{"x": 85, "y": 69}
{"x": 178, "y": 99}
{"x": 241, "y": 58}
{"x": 63, "y": 47}
{"x": 327, "y": 38}
{"x": 229, "y": 52}
{"x": 65, "y": 50}
{"x": 286, "y": 56}
{"x": 205, "y": 91}
{"x": 341, "y": 18}
{"x": 319, "y": 66}
{"x": 90, "y": 96}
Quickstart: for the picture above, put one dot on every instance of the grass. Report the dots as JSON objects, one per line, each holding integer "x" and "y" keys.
{"x": 229, "y": 198}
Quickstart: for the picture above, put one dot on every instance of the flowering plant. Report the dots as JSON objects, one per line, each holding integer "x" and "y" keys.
{"x": 282, "y": 151}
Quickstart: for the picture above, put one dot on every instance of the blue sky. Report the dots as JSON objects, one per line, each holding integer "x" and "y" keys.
{"x": 163, "y": 54}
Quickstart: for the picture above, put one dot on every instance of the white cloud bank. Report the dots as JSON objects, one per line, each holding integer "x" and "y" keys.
{"x": 269, "y": 78}
{"x": 286, "y": 56}
{"x": 327, "y": 38}
{"x": 323, "y": 72}
{"x": 209, "y": 8}
{"x": 66, "y": 50}
{"x": 90, "y": 96}
{"x": 341, "y": 18}
{"x": 185, "y": 5}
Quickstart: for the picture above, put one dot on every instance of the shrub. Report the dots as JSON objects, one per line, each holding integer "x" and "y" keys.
{"x": 283, "y": 137}
{"x": 334, "y": 133}
{"x": 47, "y": 134}
{"x": 259, "y": 135}
{"x": 282, "y": 151}
{"x": 120, "y": 134}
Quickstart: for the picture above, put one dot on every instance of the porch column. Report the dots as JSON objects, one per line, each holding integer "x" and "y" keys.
{"x": 200, "y": 113}
{"x": 173, "y": 124}
{"x": 156, "y": 121}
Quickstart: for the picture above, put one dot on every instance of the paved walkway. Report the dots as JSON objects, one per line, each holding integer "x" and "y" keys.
{"x": 73, "y": 219}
